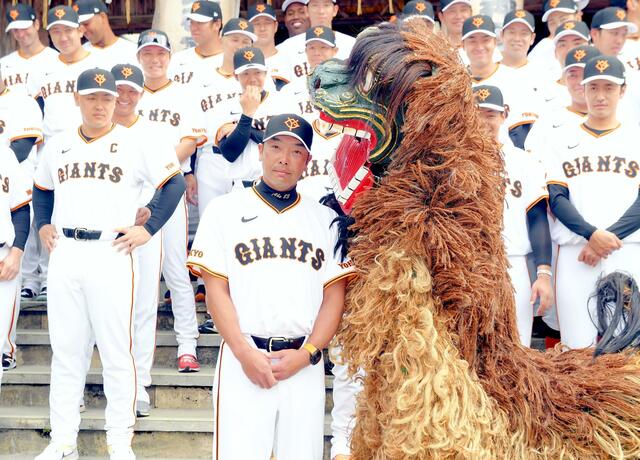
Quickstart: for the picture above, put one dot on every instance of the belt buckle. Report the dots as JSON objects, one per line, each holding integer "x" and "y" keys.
{"x": 76, "y": 232}
{"x": 274, "y": 339}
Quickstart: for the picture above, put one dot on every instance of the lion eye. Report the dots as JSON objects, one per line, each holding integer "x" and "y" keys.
{"x": 317, "y": 83}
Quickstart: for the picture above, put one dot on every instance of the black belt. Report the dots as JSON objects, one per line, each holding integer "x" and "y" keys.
{"x": 278, "y": 343}
{"x": 80, "y": 233}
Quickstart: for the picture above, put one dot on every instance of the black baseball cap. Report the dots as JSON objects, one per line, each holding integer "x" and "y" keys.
{"x": 604, "y": 68}
{"x": 63, "y": 15}
{"x": 205, "y": 11}
{"x": 444, "y": 4}
{"x": 239, "y": 26}
{"x": 247, "y": 58}
{"x": 612, "y": 17}
{"x": 521, "y": 17}
{"x": 489, "y": 97}
{"x": 577, "y": 28}
{"x": 130, "y": 75}
{"x": 320, "y": 34}
{"x": 478, "y": 24}
{"x": 20, "y": 16}
{"x": 420, "y": 8}
{"x": 289, "y": 124}
{"x": 579, "y": 56}
{"x": 96, "y": 81}
{"x": 154, "y": 37}
{"x": 87, "y": 9}
{"x": 563, "y": 6}
{"x": 261, "y": 10}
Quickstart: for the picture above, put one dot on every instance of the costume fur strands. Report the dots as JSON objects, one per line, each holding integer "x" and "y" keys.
{"x": 431, "y": 318}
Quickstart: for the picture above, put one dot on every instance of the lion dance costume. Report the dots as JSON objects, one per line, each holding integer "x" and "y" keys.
{"x": 431, "y": 318}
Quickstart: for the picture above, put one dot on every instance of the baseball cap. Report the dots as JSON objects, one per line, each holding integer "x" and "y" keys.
{"x": 130, "y": 75}
{"x": 289, "y": 124}
{"x": 63, "y": 15}
{"x": 612, "y": 17}
{"x": 261, "y": 10}
{"x": 287, "y": 3}
{"x": 154, "y": 37}
{"x": 96, "y": 81}
{"x": 20, "y": 16}
{"x": 602, "y": 67}
{"x": 239, "y": 26}
{"x": 419, "y": 8}
{"x": 563, "y": 6}
{"x": 478, "y": 24}
{"x": 205, "y": 11}
{"x": 521, "y": 17}
{"x": 87, "y": 9}
{"x": 489, "y": 97}
{"x": 248, "y": 58}
{"x": 578, "y": 56}
{"x": 321, "y": 34}
{"x": 444, "y": 4}
{"x": 577, "y": 28}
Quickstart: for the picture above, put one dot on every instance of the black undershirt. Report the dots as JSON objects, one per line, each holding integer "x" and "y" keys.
{"x": 598, "y": 132}
{"x": 279, "y": 200}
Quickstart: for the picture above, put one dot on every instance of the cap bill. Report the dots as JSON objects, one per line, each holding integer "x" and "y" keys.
{"x": 18, "y": 25}
{"x": 242, "y": 68}
{"x": 287, "y": 133}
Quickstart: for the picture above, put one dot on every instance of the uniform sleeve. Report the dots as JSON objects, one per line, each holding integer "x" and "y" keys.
{"x": 192, "y": 122}
{"x": 20, "y": 187}
{"x": 27, "y": 121}
{"x": 159, "y": 162}
{"x": 336, "y": 269}
{"x": 43, "y": 179}
{"x": 537, "y": 191}
{"x": 34, "y": 84}
{"x": 208, "y": 251}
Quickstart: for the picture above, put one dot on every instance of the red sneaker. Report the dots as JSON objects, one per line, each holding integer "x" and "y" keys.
{"x": 188, "y": 363}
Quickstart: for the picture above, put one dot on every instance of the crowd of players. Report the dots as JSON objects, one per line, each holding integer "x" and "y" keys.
{"x": 564, "y": 113}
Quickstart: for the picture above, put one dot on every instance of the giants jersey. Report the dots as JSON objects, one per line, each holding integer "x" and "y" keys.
{"x": 97, "y": 183}
{"x": 524, "y": 187}
{"x": 277, "y": 263}
{"x": 20, "y": 117}
{"x": 601, "y": 173}
{"x": 56, "y": 85}
{"x": 544, "y": 132}
{"x": 189, "y": 66}
{"x": 630, "y": 55}
{"x": 122, "y": 51}
{"x": 15, "y": 192}
{"x": 544, "y": 56}
{"x": 174, "y": 110}
{"x": 15, "y": 69}
{"x": 279, "y": 67}
{"x": 214, "y": 90}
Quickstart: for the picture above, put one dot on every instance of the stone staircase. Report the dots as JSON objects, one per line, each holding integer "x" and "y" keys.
{"x": 181, "y": 422}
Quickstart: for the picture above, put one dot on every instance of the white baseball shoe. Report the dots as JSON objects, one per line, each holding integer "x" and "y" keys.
{"x": 121, "y": 453}
{"x": 58, "y": 452}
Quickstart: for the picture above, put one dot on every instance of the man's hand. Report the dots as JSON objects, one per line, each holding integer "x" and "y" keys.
{"x": 257, "y": 366}
{"x": 289, "y": 362}
{"x": 542, "y": 288}
{"x": 142, "y": 216}
{"x": 250, "y": 100}
{"x": 225, "y": 130}
{"x": 48, "y": 236}
{"x": 192, "y": 189}
{"x": 604, "y": 242}
{"x": 10, "y": 265}
{"x": 589, "y": 256}
{"x": 132, "y": 238}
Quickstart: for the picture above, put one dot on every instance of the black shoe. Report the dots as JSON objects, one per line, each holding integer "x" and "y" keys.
{"x": 207, "y": 327}
{"x": 8, "y": 362}
{"x": 27, "y": 293}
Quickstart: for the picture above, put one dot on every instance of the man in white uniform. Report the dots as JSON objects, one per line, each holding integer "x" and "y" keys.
{"x": 421, "y": 9}
{"x": 273, "y": 328}
{"x": 517, "y": 35}
{"x": 296, "y": 17}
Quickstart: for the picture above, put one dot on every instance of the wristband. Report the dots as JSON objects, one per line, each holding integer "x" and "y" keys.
{"x": 543, "y": 271}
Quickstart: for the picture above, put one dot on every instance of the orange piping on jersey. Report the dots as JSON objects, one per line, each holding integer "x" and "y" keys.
{"x": 597, "y": 136}
{"x": 197, "y": 268}
{"x": 168, "y": 179}
{"x": 38, "y": 137}
{"x": 521, "y": 123}
{"x": 292, "y": 205}
{"x": 186, "y": 224}
{"x": 152, "y": 91}
{"x": 133, "y": 361}
{"x": 218, "y": 137}
{"x": 105, "y": 46}
{"x": 536, "y": 201}
{"x": 199, "y": 143}
{"x": 577, "y": 112}
{"x": 319, "y": 133}
{"x": 475, "y": 80}
{"x": 13, "y": 315}
{"x": 82, "y": 136}
{"x": 6, "y": 90}
{"x": 133, "y": 122}
{"x": 34, "y": 54}
{"x": 225, "y": 75}
{"x": 24, "y": 203}
{"x": 73, "y": 62}
{"x": 554, "y": 182}
{"x": 41, "y": 188}
{"x": 278, "y": 77}
{"x": 349, "y": 276}
{"x": 205, "y": 56}
{"x": 217, "y": 432}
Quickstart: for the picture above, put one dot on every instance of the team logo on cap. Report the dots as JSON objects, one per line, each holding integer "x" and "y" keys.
{"x": 478, "y": 21}
{"x": 14, "y": 14}
{"x": 151, "y": 33}
{"x": 520, "y": 14}
{"x": 569, "y": 25}
{"x": 260, "y": 8}
{"x": 248, "y": 55}
{"x": 292, "y": 123}
{"x": 420, "y": 7}
{"x": 554, "y": 3}
{"x": 243, "y": 25}
{"x": 195, "y": 7}
{"x": 602, "y": 65}
{"x": 318, "y": 31}
{"x": 620, "y": 14}
{"x": 483, "y": 94}
{"x": 59, "y": 13}
{"x": 126, "y": 72}
{"x": 99, "y": 79}
{"x": 579, "y": 55}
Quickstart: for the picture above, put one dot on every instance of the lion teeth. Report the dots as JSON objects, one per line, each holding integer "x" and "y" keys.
{"x": 340, "y": 129}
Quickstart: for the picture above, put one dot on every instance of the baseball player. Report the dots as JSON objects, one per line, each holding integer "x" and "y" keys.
{"x": 452, "y": 15}
{"x": 268, "y": 361}
{"x": 630, "y": 54}
{"x": 15, "y": 195}
{"x": 296, "y": 18}
{"x": 526, "y": 228}
{"x": 205, "y": 23}
{"x": 101, "y": 41}
{"x": 518, "y": 34}
{"x": 31, "y": 53}
{"x": 169, "y": 106}
{"x": 420, "y": 9}
{"x": 89, "y": 179}
{"x": 265, "y": 25}
{"x": 592, "y": 177}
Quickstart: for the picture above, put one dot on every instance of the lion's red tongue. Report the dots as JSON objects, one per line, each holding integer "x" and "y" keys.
{"x": 350, "y": 174}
